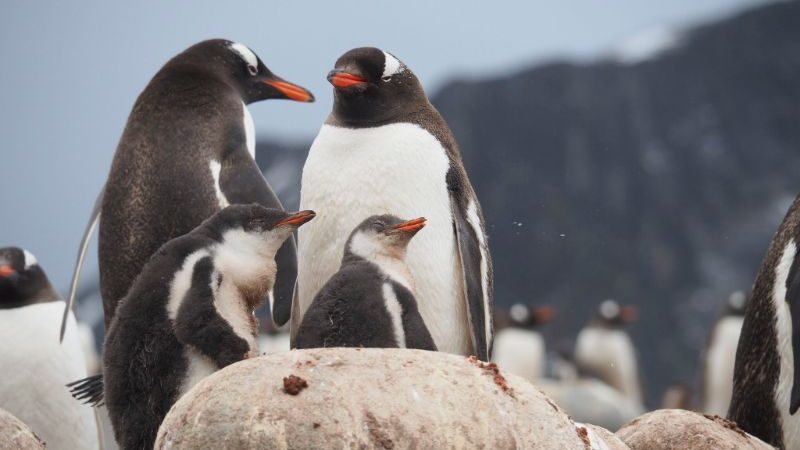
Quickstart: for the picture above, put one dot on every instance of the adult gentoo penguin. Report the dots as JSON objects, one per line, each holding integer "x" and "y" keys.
{"x": 604, "y": 349}
{"x": 519, "y": 348}
{"x": 189, "y": 314}
{"x": 766, "y": 383}
{"x": 35, "y": 367}
{"x": 385, "y": 149}
{"x": 721, "y": 355}
{"x": 187, "y": 152}
{"x": 370, "y": 301}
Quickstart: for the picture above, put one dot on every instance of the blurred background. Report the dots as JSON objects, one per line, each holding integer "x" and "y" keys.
{"x": 641, "y": 151}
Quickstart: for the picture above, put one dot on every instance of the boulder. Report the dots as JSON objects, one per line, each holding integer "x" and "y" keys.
{"x": 15, "y": 435}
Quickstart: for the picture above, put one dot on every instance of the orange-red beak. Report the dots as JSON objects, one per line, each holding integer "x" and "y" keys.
{"x": 6, "y": 271}
{"x": 411, "y": 226}
{"x": 291, "y": 91}
{"x": 342, "y": 79}
{"x": 298, "y": 218}
{"x": 544, "y": 314}
{"x": 629, "y": 314}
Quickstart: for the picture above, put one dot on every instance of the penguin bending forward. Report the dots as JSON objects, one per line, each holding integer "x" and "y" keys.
{"x": 384, "y": 148}
{"x": 34, "y": 366}
{"x": 187, "y": 152}
{"x": 189, "y": 314}
{"x": 370, "y": 301}
{"x": 766, "y": 374}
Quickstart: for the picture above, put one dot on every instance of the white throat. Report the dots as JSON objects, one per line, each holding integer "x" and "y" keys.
{"x": 390, "y": 261}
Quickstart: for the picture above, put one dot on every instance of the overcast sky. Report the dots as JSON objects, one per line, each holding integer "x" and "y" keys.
{"x": 72, "y": 70}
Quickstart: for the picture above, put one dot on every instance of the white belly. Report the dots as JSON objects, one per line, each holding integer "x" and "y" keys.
{"x": 719, "y": 365}
{"x": 783, "y": 393}
{"x": 396, "y": 169}
{"x": 520, "y": 352}
{"x": 34, "y": 370}
{"x": 610, "y": 353}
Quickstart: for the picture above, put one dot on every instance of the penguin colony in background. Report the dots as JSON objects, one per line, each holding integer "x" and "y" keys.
{"x": 35, "y": 367}
{"x": 192, "y": 239}
{"x": 189, "y": 314}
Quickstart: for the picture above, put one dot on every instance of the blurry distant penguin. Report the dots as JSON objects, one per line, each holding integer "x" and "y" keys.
{"x": 520, "y": 348}
{"x": 370, "y": 301}
{"x": 721, "y": 355}
{"x": 34, "y": 367}
{"x": 766, "y": 376}
{"x": 605, "y": 349}
{"x": 187, "y": 152}
{"x": 189, "y": 314}
{"x": 385, "y": 149}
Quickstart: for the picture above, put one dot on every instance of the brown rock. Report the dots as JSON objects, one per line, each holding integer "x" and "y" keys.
{"x": 370, "y": 399}
{"x": 15, "y": 435}
{"x": 677, "y": 429}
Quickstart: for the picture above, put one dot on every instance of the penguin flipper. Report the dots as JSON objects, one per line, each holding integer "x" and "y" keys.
{"x": 88, "y": 390}
{"x": 84, "y": 248}
{"x": 793, "y": 299}
{"x": 243, "y": 183}
{"x": 476, "y": 273}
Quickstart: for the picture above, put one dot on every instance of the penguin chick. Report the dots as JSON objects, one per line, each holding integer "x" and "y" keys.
{"x": 190, "y": 313}
{"x": 370, "y": 301}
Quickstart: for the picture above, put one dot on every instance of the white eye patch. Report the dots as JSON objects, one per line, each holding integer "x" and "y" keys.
{"x": 391, "y": 66}
{"x": 245, "y": 53}
{"x": 30, "y": 260}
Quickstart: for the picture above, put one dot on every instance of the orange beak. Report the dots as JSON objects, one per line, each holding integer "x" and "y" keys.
{"x": 544, "y": 314}
{"x": 411, "y": 226}
{"x": 6, "y": 271}
{"x": 297, "y": 219}
{"x": 342, "y": 79}
{"x": 291, "y": 91}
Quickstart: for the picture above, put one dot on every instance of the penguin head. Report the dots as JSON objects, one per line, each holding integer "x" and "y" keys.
{"x": 611, "y": 315}
{"x": 736, "y": 303}
{"x": 371, "y": 86}
{"x": 22, "y": 280}
{"x": 241, "y": 68}
{"x": 529, "y": 316}
{"x": 267, "y": 224}
{"x": 384, "y": 235}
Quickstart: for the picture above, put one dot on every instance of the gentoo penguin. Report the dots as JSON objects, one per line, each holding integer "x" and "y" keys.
{"x": 605, "y": 349}
{"x": 721, "y": 355}
{"x": 187, "y": 152}
{"x": 370, "y": 301}
{"x": 385, "y": 149}
{"x": 520, "y": 348}
{"x": 766, "y": 383}
{"x": 189, "y": 314}
{"x": 35, "y": 367}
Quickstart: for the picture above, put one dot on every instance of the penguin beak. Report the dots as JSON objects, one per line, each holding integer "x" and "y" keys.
{"x": 7, "y": 272}
{"x": 297, "y": 219}
{"x": 343, "y": 79}
{"x": 411, "y": 226}
{"x": 290, "y": 90}
{"x": 628, "y": 314}
{"x": 544, "y": 314}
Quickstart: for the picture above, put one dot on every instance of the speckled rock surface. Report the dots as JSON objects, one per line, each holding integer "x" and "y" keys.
{"x": 366, "y": 399}
{"x": 677, "y": 429}
{"x": 599, "y": 436}
{"x": 15, "y": 435}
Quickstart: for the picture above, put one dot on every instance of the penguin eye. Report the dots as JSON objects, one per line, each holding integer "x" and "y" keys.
{"x": 386, "y": 79}
{"x": 252, "y": 69}
{"x": 378, "y": 225}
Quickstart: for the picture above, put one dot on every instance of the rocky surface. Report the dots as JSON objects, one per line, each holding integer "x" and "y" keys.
{"x": 15, "y": 435}
{"x": 371, "y": 399}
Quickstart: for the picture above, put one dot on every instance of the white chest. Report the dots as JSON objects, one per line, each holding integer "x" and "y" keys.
{"x": 610, "y": 353}
{"x": 396, "y": 169}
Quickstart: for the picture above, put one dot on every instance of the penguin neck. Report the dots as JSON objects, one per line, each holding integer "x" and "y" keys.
{"x": 16, "y": 298}
{"x": 248, "y": 260}
{"x": 389, "y": 260}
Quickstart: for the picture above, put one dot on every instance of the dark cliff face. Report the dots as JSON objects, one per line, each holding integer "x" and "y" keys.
{"x": 658, "y": 183}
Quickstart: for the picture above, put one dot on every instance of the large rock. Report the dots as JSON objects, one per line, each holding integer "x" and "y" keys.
{"x": 15, "y": 435}
{"x": 369, "y": 398}
{"x": 677, "y": 429}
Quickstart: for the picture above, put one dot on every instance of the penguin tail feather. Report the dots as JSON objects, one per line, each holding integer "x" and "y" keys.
{"x": 88, "y": 391}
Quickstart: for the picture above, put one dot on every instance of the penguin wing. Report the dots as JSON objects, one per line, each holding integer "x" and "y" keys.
{"x": 243, "y": 183}
{"x": 793, "y": 299}
{"x": 476, "y": 268}
{"x": 82, "y": 250}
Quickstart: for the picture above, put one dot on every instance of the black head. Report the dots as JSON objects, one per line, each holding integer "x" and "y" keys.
{"x": 256, "y": 219}
{"x": 373, "y": 87}
{"x": 529, "y": 316}
{"x": 241, "y": 68}
{"x": 611, "y": 315}
{"x": 386, "y": 235}
{"x": 22, "y": 281}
